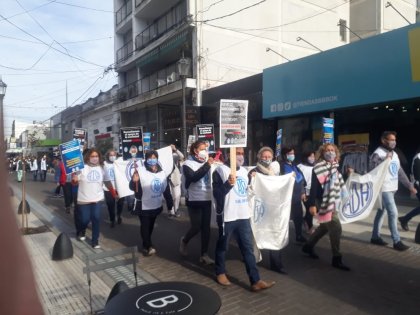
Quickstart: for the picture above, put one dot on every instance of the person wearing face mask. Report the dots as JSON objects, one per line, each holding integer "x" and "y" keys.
{"x": 264, "y": 166}
{"x": 389, "y": 188}
{"x": 175, "y": 181}
{"x": 233, "y": 219}
{"x": 306, "y": 167}
{"x": 110, "y": 158}
{"x": 149, "y": 185}
{"x": 90, "y": 193}
{"x": 196, "y": 172}
{"x": 287, "y": 166}
{"x": 325, "y": 196}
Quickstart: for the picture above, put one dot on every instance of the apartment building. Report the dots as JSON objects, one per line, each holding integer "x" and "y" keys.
{"x": 223, "y": 41}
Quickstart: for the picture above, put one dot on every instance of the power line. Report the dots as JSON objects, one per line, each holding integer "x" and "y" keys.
{"x": 233, "y": 13}
{"x": 82, "y": 7}
{"x": 42, "y": 73}
{"x": 33, "y": 9}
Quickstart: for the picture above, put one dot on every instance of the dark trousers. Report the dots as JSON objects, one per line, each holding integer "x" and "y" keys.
{"x": 308, "y": 216}
{"x": 68, "y": 195}
{"x": 147, "y": 223}
{"x": 35, "y": 175}
{"x": 43, "y": 175}
{"x": 110, "y": 203}
{"x": 297, "y": 217}
{"x": 58, "y": 189}
{"x": 415, "y": 211}
{"x": 333, "y": 228}
{"x": 200, "y": 215}
{"x": 91, "y": 212}
{"x": 276, "y": 263}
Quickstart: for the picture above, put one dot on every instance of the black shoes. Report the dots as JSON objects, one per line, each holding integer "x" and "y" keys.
{"x": 310, "y": 251}
{"x": 404, "y": 223}
{"x": 400, "y": 246}
{"x": 378, "y": 241}
{"x": 338, "y": 263}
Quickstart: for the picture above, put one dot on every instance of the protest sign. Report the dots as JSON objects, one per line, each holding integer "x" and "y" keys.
{"x": 278, "y": 142}
{"x": 328, "y": 130}
{"x": 146, "y": 141}
{"x": 205, "y": 133}
{"x": 132, "y": 142}
{"x": 233, "y": 123}
{"x": 71, "y": 156}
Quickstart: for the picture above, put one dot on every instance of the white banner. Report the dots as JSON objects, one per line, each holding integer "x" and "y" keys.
{"x": 270, "y": 201}
{"x": 363, "y": 193}
{"x": 124, "y": 170}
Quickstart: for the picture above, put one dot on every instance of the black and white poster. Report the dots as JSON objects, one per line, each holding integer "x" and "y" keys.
{"x": 205, "y": 133}
{"x": 132, "y": 143}
{"x": 233, "y": 123}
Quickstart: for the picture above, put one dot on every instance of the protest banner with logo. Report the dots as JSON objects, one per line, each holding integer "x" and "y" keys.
{"x": 278, "y": 142}
{"x": 71, "y": 156}
{"x": 146, "y": 141}
{"x": 205, "y": 133}
{"x": 191, "y": 140}
{"x": 328, "y": 130}
{"x": 132, "y": 143}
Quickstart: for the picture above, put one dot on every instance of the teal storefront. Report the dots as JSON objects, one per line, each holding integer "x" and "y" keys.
{"x": 368, "y": 86}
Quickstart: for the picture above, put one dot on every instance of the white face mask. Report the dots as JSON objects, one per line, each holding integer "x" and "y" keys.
{"x": 203, "y": 155}
{"x": 112, "y": 158}
{"x": 240, "y": 160}
{"x": 94, "y": 160}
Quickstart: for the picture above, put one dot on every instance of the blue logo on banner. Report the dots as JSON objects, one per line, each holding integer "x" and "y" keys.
{"x": 240, "y": 187}
{"x": 207, "y": 179}
{"x": 129, "y": 170}
{"x": 93, "y": 176}
{"x": 393, "y": 169}
{"x": 156, "y": 185}
{"x": 360, "y": 197}
{"x": 111, "y": 174}
{"x": 259, "y": 210}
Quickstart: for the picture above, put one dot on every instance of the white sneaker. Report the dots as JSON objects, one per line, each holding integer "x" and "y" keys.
{"x": 151, "y": 251}
{"x": 206, "y": 260}
{"x": 183, "y": 247}
{"x": 97, "y": 246}
{"x": 81, "y": 238}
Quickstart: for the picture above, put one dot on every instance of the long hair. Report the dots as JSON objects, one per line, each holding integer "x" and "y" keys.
{"x": 89, "y": 152}
{"x": 195, "y": 146}
{"x": 323, "y": 148}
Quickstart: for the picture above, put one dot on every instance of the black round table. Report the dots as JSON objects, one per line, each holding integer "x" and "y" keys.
{"x": 164, "y": 298}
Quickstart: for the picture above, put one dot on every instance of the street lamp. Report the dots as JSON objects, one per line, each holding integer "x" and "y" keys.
{"x": 183, "y": 71}
{"x": 3, "y": 87}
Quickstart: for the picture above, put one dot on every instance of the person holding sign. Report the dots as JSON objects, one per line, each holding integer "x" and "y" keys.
{"x": 196, "y": 171}
{"x": 327, "y": 185}
{"x": 90, "y": 193}
{"x": 149, "y": 185}
{"x": 233, "y": 218}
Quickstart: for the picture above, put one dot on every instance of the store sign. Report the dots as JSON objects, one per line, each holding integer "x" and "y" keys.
{"x": 361, "y": 73}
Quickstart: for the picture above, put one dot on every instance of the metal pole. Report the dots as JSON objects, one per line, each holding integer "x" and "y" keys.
{"x": 184, "y": 120}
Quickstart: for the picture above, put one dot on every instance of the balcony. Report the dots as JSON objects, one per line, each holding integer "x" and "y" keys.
{"x": 139, "y": 2}
{"x": 125, "y": 52}
{"x": 162, "y": 25}
{"x": 156, "y": 80}
{"x": 123, "y": 12}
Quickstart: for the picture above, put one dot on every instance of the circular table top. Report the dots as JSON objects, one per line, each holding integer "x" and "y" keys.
{"x": 163, "y": 298}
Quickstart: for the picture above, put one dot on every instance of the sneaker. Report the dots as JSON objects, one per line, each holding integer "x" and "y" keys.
{"x": 81, "y": 238}
{"x": 119, "y": 220}
{"x": 206, "y": 260}
{"x": 151, "y": 251}
{"x": 183, "y": 247}
{"x": 400, "y": 246}
{"x": 261, "y": 285}
{"x": 378, "y": 241}
{"x": 404, "y": 223}
{"x": 177, "y": 214}
{"x": 96, "y": 246}
{"x": 310, "y": 251}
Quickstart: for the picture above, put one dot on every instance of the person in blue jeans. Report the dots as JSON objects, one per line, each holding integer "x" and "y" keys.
{"x": 415, "y": 171}
{"x": 389, "y": 188}
{"x": 233, "y": 219}
{"x": 90, "y": 193}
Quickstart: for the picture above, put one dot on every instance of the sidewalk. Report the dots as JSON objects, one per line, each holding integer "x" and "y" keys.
{"x": 62, "y": 285}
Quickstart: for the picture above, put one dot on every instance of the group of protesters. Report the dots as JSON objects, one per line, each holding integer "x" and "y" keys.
{"x": 210, "y": 185}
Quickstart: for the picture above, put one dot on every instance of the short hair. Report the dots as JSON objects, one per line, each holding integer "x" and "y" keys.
{"x": 264, "y": 149}
{"x": 285, "y": 150}
{"x": 195, "y": 146}
{"x": 150, "y": 153}
{"x": 385, "y": 134}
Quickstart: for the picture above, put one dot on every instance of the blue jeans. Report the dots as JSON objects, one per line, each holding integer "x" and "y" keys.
{"x": 91, "y": 212}
{"x": 241, "y": 229}
{"x": 388, "y": 204}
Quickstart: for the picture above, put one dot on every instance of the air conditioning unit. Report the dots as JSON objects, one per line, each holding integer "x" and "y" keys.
{"x": 161, "y": 82}
{"x": 171, "y": 78}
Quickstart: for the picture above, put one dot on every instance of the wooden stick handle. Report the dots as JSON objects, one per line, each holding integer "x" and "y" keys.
{"x": 233, "y": 162}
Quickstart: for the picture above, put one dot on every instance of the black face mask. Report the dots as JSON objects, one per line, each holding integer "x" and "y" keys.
{"x": 265, "y": 163}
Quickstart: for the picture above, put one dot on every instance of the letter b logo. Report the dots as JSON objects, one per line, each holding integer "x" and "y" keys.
{"x": 163, "y": 301}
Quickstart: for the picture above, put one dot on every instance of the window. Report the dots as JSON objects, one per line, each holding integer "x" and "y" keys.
{"x": 109, "y": 129}
{"x": 96, "y": 131}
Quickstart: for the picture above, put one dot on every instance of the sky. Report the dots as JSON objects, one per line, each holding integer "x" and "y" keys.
{"x": 48, "y": 44}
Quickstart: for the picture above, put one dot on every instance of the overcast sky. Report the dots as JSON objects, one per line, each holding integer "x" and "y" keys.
{"x": 37, "y": 38}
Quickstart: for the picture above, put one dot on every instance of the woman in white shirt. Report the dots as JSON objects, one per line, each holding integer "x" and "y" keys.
{"x": 91, "y": 193}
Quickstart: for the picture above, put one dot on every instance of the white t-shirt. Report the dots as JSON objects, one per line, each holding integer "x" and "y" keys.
{"x": 236, "y": 201}
{"x": 307, "y": 173}
{"x": 153, "y": 186}
{"x": 91, "y": 179}
{"x": 109, "y": 174}
{"x": 391, "y": 178}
